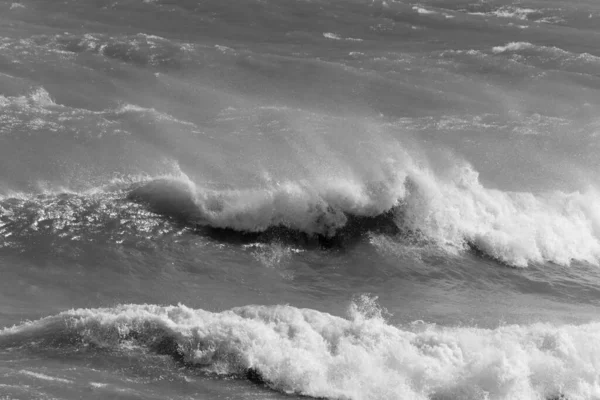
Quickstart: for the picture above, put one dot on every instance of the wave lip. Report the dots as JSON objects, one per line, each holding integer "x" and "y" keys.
{"x": 316, "y": 354}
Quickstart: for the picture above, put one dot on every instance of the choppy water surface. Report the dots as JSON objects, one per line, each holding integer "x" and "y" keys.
{"x": 267, "y": 199}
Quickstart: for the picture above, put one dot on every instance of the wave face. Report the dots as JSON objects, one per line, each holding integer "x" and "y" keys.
{"x": 315, "y": 354}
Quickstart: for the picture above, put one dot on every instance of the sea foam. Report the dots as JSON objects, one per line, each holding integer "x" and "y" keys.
{"x": 361, "y": 357}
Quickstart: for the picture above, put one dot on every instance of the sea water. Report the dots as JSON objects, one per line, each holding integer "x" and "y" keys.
{"x": 271, "y": 199}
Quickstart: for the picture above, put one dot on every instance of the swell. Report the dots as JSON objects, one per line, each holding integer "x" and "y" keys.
{"x": 315, "y": 354}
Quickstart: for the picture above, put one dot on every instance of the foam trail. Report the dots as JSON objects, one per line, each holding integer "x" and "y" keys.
{"x": 362, "y": 357}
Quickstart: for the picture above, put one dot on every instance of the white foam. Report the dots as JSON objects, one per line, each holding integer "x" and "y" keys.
{"x": 37, "y": 98}
{"x": 224, "y": 49}
{"x": 44, "y": 376}
{"x": 160, "y": 116}
{"x": 362, "y": 357}
{"x": 334, "y": 36}
{"x": 550, "y": 52}
{"x": 423, "y": 11}
{"x": 513, "y": 46}
{"x": 514, "y": 12}
{"x": 510, "y": 12}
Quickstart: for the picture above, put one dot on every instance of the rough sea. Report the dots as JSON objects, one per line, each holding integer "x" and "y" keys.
{"x": 288, "y": 199}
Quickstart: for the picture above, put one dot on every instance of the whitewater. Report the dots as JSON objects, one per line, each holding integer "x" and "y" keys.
{"x": 332, "y": 199}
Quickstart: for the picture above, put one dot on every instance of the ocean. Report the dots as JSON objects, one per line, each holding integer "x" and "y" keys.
{"x": 290, "y": 199}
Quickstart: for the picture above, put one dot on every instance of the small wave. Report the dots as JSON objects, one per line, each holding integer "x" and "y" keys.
{"x": 38, "y": 97}
{"x": 513, "y": 46}
{"x": 423, "y": 11}
{"x": 316, "y": 354}
{"x": 140, "y": 49}
{"x": 334, "y": 36}
{"x": 32, "y": 112}
{"x": 550, "y": 57}
{"x": 36, "y": 111}
{"x": 518, "y": 13}
{"x": 555, "y": 52}
{"x": 224, "y": 49}
{"x": 44, "y": 376}
{"x": 512, "y": 12}
{"x": 156, "y": 115}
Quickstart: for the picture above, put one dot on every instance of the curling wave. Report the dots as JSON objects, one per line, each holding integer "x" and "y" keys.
{"x": 316, "y": 354}
{"x": 455, "y": 212}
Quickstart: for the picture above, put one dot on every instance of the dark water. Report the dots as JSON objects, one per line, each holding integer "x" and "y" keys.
{"x": 262, "y": 199}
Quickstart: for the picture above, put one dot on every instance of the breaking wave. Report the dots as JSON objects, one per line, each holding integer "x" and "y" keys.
{"x": 513, "y": 12}
{"x": 37, "y": 111}
{"x": 452, "y": 211}
{"x": 139, "y": 49}
{"x": 551, "y": 54}
{"x": 316, "y": 354}
{"x": 455, "y": 212}
{"x": 547, "y": 16}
